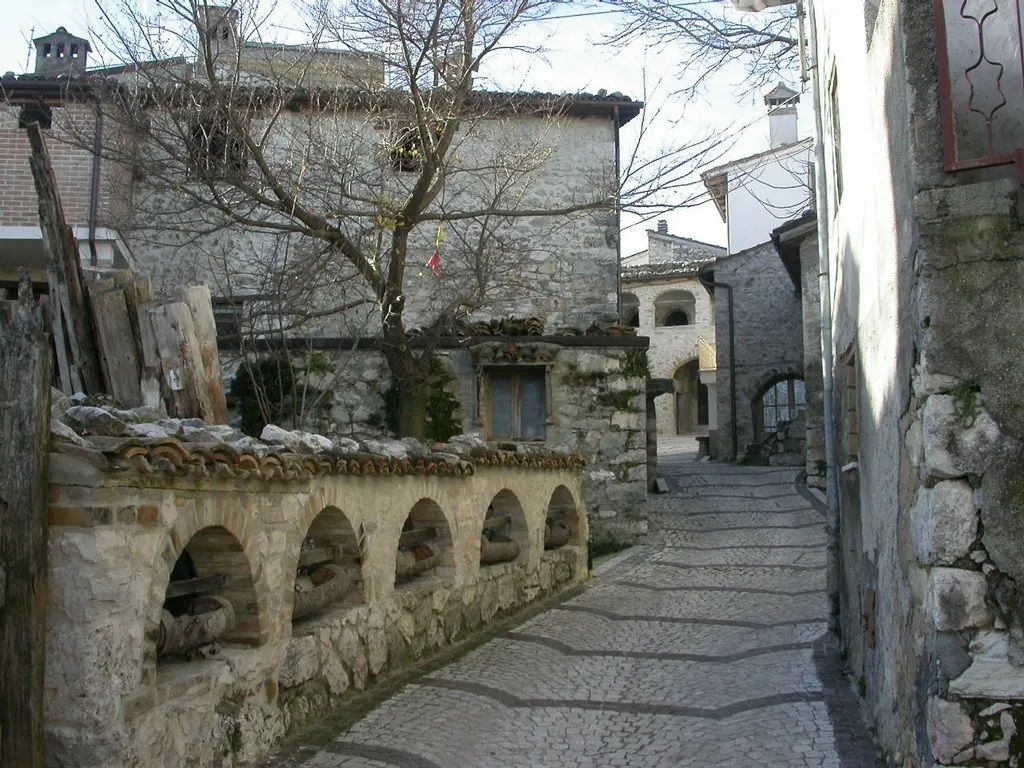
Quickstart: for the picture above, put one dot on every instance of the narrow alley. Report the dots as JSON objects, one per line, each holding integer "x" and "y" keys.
{"x": 706, "y": 648}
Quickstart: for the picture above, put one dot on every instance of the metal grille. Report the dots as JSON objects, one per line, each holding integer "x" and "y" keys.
{"x": 981, "y": 78}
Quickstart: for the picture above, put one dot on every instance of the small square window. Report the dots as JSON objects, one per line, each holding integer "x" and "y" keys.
{"x": 517, "y": 403}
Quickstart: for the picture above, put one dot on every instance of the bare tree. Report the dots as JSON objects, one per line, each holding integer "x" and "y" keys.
{"x": 710, "y": 35}
{"x": 356, "y": 154}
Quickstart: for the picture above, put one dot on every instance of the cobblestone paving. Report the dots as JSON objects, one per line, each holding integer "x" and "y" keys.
{"x": 706, "y": 649}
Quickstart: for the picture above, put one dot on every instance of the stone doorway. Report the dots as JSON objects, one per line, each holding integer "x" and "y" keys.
{"x": 691, "y": 400}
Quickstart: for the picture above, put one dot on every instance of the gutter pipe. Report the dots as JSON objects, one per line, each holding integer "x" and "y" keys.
{"x": 708, "y": 281}
{"x": 95, "y": 186}
{"x": 824, "y": 292}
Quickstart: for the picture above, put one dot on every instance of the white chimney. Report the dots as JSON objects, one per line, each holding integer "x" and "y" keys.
{"x": 782, "y": 125}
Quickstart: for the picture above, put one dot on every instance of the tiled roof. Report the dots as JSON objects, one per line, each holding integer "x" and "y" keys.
{"x": 642, "y": 272}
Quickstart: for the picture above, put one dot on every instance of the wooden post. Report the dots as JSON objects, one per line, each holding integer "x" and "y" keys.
{"x": 198, "y": 299}
{"x": 181, "y": 361}
{"x": 65, "y": 269}
{"x": 116, "y": 337}
{"x": 25, "y": 378}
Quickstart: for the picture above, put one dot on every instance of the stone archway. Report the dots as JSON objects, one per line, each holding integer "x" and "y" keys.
{"x": 691, "y": 407}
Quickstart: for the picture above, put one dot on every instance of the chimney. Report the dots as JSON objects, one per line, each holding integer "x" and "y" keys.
{"x": 61, "y": 53}
{"x": 220, "y": 25}
{"x": 782, "y": 127}
{"x": 662, "y": 226}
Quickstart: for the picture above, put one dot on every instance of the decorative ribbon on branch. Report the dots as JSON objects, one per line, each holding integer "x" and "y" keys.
{"x": 434, "y": 262}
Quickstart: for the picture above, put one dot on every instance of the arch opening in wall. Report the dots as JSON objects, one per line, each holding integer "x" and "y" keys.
{"x": 629, "y": 311}
{"x": 424, "y": 547}
{"x": 210, "y": 599}
{"x": 691, "y": 404}
{"x": 562, "y": 524}
{"x": 780, "y": 401}
{"x": 329, "y": 571}
{"x": 505, "y": 537}
{"x": 674, "y": 308}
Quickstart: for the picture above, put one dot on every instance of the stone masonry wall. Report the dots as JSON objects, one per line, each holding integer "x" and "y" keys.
{"x": 562, "y": 269}
{"x": 769, "y": 339}
{"x": 114, "y": 537}
{"x": 813, "y": 376}
{"x": 927, "y": 273}
{"x": 596, "y": 408}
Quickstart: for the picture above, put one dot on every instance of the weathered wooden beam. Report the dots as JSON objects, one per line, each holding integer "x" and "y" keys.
{"x": 25, "y": 378}
{"x": 415, "y": 536}
{"x": 197, "y": 586}
{"x": 138, "y": 296}
{"x": 180, "y": 360}
{"x": 65, "y": 268}
{"x": 498, "y": 521}
{"x": 198, "y": 299}
{"x": 116, "y": 339}
{"x": 319, "y": 555}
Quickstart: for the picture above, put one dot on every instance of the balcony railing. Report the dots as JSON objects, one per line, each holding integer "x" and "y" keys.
{"x": 981, "y": 81}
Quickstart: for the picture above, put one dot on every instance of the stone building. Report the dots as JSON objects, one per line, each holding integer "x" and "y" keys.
{"x": 566, "y": 378}
{"x": 761, "y": 388}
{"x": 922, "y": 259}
{"x": 662, "y": 298}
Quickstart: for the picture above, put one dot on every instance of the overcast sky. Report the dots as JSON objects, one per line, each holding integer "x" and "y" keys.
{"x": 574, "y": 60}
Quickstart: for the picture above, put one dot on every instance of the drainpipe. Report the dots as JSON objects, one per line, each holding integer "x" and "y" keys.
{"x": 708, "y": 281}
{"x": 824, "y": 287}
{"x": 618, "y": 218}
{"x": 834, "y": 565}
{"x": 95, "y": 187}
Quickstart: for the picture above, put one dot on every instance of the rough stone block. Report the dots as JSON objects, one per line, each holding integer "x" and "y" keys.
{"x": 958, "y": 599}
{"x": 949, "y": 728}
{"x": 945, "y": 522}
{"x": 956, "y": 443}
{"x": 990, "y": 676}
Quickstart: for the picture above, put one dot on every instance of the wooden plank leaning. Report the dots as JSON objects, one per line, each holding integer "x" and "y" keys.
{"x": 65, "y": 271}
{"x": 180, "y": 360}
{"x": 116, "y": 339}
{"x": 198, "y": 299}
{"x": 25, "y": 379}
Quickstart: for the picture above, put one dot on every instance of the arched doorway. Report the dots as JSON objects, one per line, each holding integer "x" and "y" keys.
{"x": 691, "y": 400}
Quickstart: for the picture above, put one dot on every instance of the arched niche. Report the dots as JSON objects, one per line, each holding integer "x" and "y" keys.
{"x": 562, "y": 523}
{"x": 425, "y": 553}
{"x": 210, "y": 598}
{"x": 505, "y": 536}
{"x": 629, "y": 310}
{"x": 329, "y": 569}
{"x": 674, "y": 308}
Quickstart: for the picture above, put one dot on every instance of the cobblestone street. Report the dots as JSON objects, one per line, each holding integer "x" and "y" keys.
{"x": 706, "y": 648}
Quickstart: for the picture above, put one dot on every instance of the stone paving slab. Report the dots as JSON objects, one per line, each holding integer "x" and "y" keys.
{"x": 706, "y": 649}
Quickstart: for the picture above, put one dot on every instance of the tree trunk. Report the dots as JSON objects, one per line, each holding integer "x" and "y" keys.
{"x": 407, "y": 371}
{"x": 412, "y": 409}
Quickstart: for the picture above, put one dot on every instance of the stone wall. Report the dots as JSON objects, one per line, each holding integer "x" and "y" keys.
{"x": 769, "y": 337}
{"x": 122, "y": 512}
{"x": 810, "y": 292}
{"x": 596, "y": 388}
{"x": 560, "y": 268}
{"x": 926, "y": 268}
